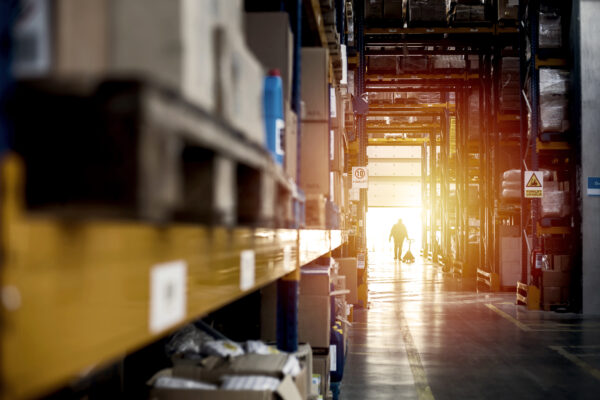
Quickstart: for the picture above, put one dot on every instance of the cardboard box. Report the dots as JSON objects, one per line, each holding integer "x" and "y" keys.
{"x": 315, "y": 84}
{"x": 305, "y": 356}
{"x": 555, "y": 278}
{"x": 315, "y": 281}
{"x": 508, "y": 9}
{"x": 240, "y": 85}
{"x": 561, "y": 263}
{"x": 211, "y": 369}
{"x": 551, "y": 295}
{"x": 315, "y": 211}
{"x": 287, "y": 390}
{"x": 291, "y": 143}
{"x": 269, "y": 36}
{"x": 348, "y": 268}
{"x": 321, "y": 367}
{"x": 96, "y": 37}
{"x": 314, "y": 162}
{"x": 314, "y": 320}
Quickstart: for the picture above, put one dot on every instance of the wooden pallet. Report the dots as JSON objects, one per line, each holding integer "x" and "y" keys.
{"x": 132, "y": 150}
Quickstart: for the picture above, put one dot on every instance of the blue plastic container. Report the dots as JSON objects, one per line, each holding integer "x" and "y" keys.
{"x": 337, "y": 346}
{"x": 274, "y": 118}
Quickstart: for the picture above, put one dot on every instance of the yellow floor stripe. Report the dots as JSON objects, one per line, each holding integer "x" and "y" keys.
{"x": 577, "y": 361}
{"x": 504, "y": 315}
{"x": 414, "y": 359}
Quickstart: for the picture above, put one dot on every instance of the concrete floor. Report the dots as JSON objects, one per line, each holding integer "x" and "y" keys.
{"x": 422, "y": 338}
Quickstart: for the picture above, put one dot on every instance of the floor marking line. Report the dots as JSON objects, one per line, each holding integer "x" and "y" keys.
{"x": 577, "y": 361}
{"x": 414, "y": 360}
{"x": 510, "y": 318}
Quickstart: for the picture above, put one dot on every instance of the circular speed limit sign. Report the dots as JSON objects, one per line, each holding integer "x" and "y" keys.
{"x": 360, "y": 177}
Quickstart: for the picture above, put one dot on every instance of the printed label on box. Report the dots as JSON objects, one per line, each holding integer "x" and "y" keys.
{"x": 247, "y": 269}
{"x": 167, "y": 295}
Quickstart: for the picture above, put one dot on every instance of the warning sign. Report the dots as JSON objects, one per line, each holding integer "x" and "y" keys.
{"x": 534, "y": 184}
{"x": 360, "y": 177}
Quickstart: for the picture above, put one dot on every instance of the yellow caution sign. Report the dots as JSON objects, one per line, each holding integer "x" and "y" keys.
{"x": 534, "y": 184}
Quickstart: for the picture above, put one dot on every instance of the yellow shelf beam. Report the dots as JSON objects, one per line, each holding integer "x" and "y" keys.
{"x": 77, "y": 293}
{"x": 552, "y": 146}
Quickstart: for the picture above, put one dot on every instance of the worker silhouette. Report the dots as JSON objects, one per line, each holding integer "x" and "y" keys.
{"x": 399, "y": 233}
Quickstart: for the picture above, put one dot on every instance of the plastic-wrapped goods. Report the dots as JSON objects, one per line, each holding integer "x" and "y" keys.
{"x": 415, "y": 64}
{"x": 172, "y": 382}
{"x": 469, "y": 13}
{"x": 553, "y": 82}
{"x": 449, "y": 62}
{"x": 510, "y": 99}
{"x": 555, "y": 203}
{"x": 250, "y": 382}
{"x": 223, "y": 348}
{"x": 554, "y": 114}
{"x": 550, "y": 29}
{"x": 189, "y": 340}
{"x": 515, "y": 175}
{"x": 427, "y": 11}
{"x": 511, "y": 194}
{"x": 259, "y": 347}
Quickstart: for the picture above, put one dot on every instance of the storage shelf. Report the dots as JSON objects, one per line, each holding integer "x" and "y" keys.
{"x": 80, "y": 289}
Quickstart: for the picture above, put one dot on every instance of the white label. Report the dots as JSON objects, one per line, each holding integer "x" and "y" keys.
{"x": 167, "y": 295}
{"x": 332, "y": 187}
{"x": 287, "y": 257}
{"x": 331, "y": 145}
{"x": 333, "y": 357}
{"x": 247, "y": 269}
{"x": 360, "y": 261}
{"x": 344, "y": 80}
{"x": 332, "y": 103}
{"x": 534, "y": 184}
{"x": 360, "y": 177}
{"x": 279, "y": 136}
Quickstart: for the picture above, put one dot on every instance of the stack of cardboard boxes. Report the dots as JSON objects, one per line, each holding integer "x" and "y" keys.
{"x": 198, "y": 51}
{"x": 556, "y": 280}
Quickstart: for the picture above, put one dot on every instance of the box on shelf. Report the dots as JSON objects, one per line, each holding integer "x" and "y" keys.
{"x": 99, "y": 37}
{"x": 561, "y": 262}
{"x": 315, "y": 158}
{"x": 314, "y": 320}
{"x": 555, "y": 202}
{"x": 315, "y": 211}
{"x": 427, "y": 12}
{"x": 321, "y": 367}
{"x": 550, "y": 28}
{"x": 348, "y": 268}
{"x": 315, "y": 83}
{"x": 555, "y": 278}
{"x": 315, "y": 280}
{"x": 240, "y": 85}
{"x": 508, "y": 10}
{"x": 269, "y": 37}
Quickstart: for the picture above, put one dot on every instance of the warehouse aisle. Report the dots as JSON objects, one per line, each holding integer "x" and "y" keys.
{"x": 422, "y": 338}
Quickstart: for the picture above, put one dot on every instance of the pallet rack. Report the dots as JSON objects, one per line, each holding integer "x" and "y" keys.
{"x": 77, "y": 292}
{"x": 455, "y": 163}
{"x": 549, "y": 150}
